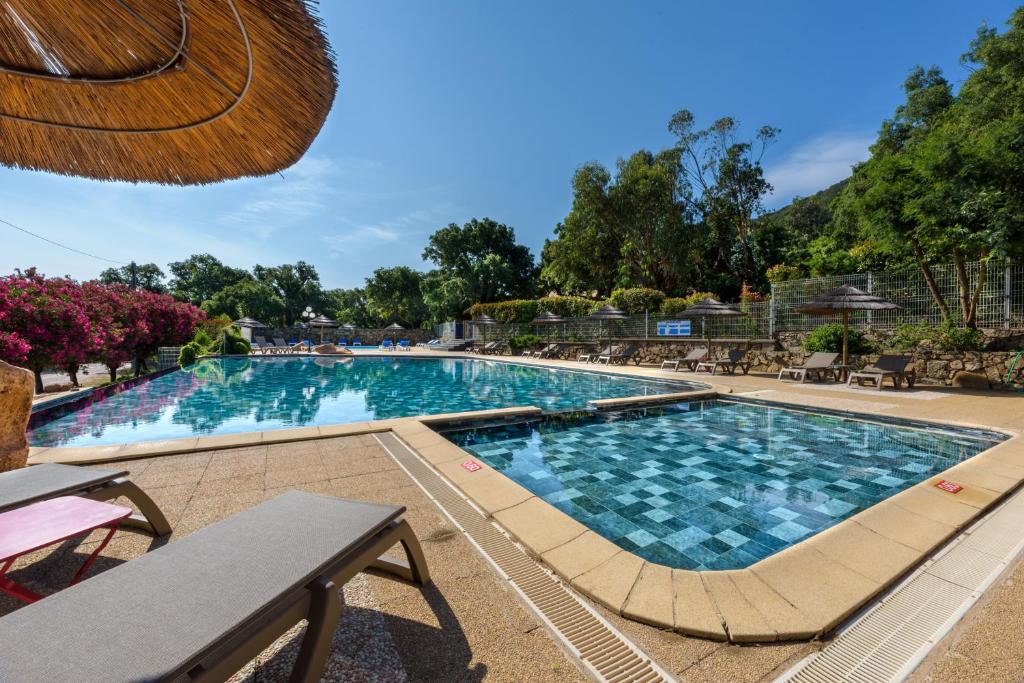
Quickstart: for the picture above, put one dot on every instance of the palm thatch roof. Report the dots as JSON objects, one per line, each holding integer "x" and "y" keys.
{"x": 248, "y": 322}
{"x": 323, "y": 321}
{"x": 170, "y": 92}
{"x": 707, "y": 308}
{"x": 846, "y": 298}
{"x": 547, "y": 318}
{"x": 609, "y": 312}
{"x": 394, "y": 326}
{"x": 484, "y": 319}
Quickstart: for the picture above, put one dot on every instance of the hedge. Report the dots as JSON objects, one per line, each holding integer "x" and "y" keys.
{"x": 634, "y": 300}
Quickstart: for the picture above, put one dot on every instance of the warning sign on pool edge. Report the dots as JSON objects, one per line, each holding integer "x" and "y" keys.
{"x": 949, "y": 486}
{"x": 471, "y": 465}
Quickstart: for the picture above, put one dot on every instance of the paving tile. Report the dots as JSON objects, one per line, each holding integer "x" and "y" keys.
{"x": 743, "y": 622}
{"x": 610, "y": 582}
{"x": 651, "y": 601}
{"x": 579, "y": 555}
{"x": 693, "y": 611}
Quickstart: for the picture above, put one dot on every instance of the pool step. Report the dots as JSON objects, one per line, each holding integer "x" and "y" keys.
{"x": 604, "y": 652}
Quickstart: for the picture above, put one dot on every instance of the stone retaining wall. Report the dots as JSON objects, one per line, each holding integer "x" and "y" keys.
{"x": 975, "y": 369}
{"x": 369, "y": 337}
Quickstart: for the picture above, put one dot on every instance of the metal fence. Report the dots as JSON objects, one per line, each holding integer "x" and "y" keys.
{"x": 1000, "y": 306}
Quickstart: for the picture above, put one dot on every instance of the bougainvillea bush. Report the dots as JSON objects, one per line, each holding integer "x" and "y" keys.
{"x": 56, "y": 322}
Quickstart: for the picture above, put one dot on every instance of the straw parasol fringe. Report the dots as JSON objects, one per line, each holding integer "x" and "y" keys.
{"x": 169, "y": 92}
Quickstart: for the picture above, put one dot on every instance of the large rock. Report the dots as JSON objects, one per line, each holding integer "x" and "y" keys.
{"x": 16, "y": 388}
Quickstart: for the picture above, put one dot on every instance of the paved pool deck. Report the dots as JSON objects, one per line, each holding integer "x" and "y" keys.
{"x": 799, "y": 593}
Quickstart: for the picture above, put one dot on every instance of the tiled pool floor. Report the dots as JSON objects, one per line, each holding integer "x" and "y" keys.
{"x": 714, "y": 484}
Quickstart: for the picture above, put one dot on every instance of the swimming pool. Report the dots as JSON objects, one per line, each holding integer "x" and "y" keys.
{"x": 716, "y": 484}
{"x": 231, "y": 395}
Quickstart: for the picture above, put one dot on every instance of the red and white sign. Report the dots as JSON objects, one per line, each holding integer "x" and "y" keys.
{"x": 949, "y": 486}
{"x": 472, "y": 465}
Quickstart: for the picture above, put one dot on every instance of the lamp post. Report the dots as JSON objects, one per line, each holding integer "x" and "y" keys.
{"x": 308, "y": 315}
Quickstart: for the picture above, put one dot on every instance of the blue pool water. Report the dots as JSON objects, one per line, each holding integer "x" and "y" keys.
{"x": 714, "y": 484}
{"x": 230, "y": 395}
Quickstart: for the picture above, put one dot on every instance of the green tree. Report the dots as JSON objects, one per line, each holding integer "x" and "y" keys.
{"x": 445, "y": 297}
{"x": 349, "y": 306}
{"x": 728, "y": 189}
{"x": 394, "y": 295}
{"x": 632, "y": 231}
{"x": 200, "y": 276}
{"x": 248, "y": 298}
{"x": 146, "y": 276}
{"x": 584, "y": 255}
{"x": 484, "y": 260}
{"x": 297, "y": 285}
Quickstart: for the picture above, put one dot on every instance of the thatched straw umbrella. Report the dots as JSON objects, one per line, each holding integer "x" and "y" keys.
{"x": 167, "y": 92}
{"x": 322, "y": 321}
{"x": 707, "y": 310}
{"x": 842, "y": 300}
{"x": 484, "y": 320}
{"x": 547, "y": 319}
{"x": 394, "y": 327}
{"x": 608, "y": 312}
{"x": 246, "y": 325}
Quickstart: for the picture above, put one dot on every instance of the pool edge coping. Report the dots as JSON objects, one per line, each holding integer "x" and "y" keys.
{"x": 802, "y": 592}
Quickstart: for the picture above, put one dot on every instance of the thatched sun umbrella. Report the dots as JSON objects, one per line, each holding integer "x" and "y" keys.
{"x": 842, "y": 300}
{"x": 394, "y": 327}
{"x": 322, "y": 321}
{"x": 483, "y": 320}
{"x": 246, "y": 325}
{"x": 547, "y": 319}
{"x": 168, "y": 92}
{"x": 707, "y": 310}
{"x": 608, "y": 312}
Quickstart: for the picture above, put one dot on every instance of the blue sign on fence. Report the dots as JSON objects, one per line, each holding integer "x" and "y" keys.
{"x": 674, "y": 328}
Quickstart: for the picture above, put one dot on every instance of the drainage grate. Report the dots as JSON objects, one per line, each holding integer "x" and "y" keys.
{"x": 605, "y": 652}
{"x": 895, "y": 635}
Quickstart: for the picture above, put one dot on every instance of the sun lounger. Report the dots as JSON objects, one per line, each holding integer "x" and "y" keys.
{"x": 386, "y": 344}
{"x": 485, "y": 348}
{"x": 591, "y": 356}
{"x": 538, "y": 353}
{"x": 620, "y": 356}
{"x": 497, "y": 350}
{"x": 281, "y": 346}
{"x": 42, "y": 482}
{"x": 817, "y": 366}
{"x": 894, "y": 367}
{"x": 734, "y": 359}
{"x": 403, "y": 344}
{"x": 690, "y": 360}
{"x": 550, "y": 351}
{"x": 357, "y": 342}
{"x": 204, "y": 606}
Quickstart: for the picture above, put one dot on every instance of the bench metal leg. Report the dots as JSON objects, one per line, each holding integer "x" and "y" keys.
{"x": 324, "y": 613}
{"x": 152, "y": 518}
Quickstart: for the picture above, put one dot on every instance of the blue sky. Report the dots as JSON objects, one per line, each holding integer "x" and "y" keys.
{"x": 449, "y": 110}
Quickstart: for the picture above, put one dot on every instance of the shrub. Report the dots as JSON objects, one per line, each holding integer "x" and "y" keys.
{"x": 637, "y": 299}
{"x": 524, "y": 341}
{"x": 829, "y": 338}
{"x": 782, "y": 272}
{"x": 525, "y": 310}
{"x": 960, "y": 338}
{"x": 188, "y": 354}
{"x": 908, "y": 337}
{"x": 677, "y": 304}
{"x": 946, "y": 337}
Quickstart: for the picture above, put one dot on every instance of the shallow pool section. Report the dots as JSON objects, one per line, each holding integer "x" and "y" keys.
{"x": 231, "y": 395}
{"x": 716, "y": 484}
